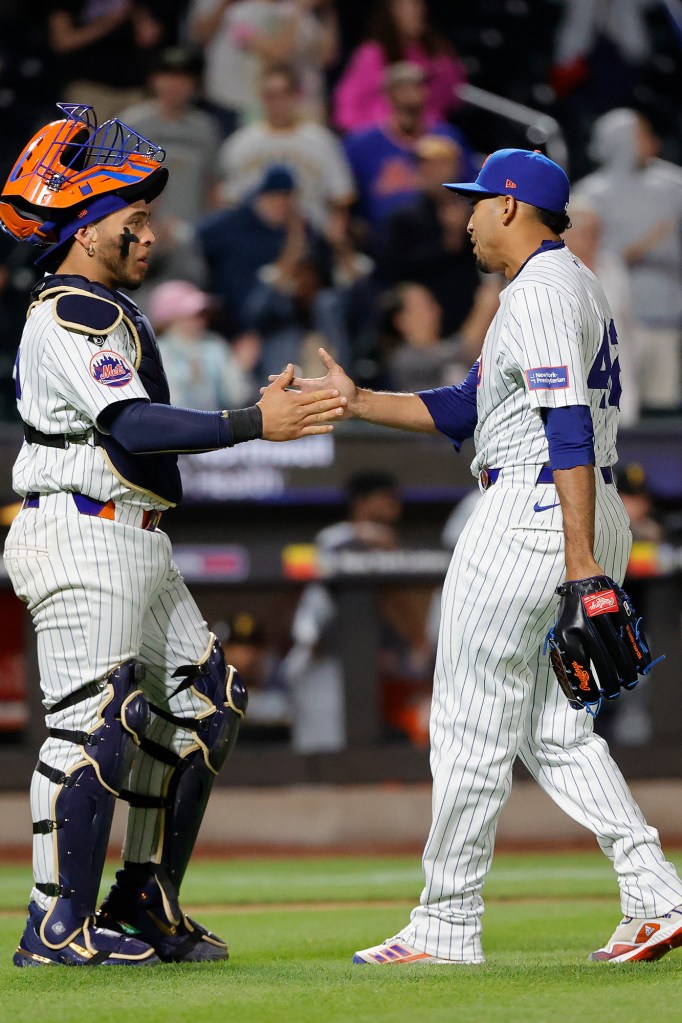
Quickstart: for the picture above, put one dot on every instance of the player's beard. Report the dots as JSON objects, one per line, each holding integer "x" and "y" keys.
{"x": 482, "y": 265}
{"x": 124, "y": 271}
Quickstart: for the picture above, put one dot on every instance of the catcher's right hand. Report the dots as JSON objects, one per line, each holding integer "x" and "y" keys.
{"x": 597, "y": 644}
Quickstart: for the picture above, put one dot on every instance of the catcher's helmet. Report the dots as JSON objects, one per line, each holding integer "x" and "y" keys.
{"x": 73, "y": 172}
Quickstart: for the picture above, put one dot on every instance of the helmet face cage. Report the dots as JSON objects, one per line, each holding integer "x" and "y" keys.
{"x": 70, "y": 164}
{"x": 110, "y": 144}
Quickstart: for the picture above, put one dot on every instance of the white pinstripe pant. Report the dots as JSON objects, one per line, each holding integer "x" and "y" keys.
{"x": 496, "y": 698}
{"x": 101, "y": 593}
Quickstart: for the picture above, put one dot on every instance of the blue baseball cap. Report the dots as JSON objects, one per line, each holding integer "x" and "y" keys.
{"x": 524, "y": 173}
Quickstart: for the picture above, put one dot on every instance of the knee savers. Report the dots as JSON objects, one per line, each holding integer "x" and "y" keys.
{"x": 85, "y": 795}
{"x": 219, "y": 686}
{"x": 222, "y": 689}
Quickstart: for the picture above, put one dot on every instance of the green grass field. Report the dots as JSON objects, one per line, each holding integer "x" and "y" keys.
{"x": 293, "y": 925}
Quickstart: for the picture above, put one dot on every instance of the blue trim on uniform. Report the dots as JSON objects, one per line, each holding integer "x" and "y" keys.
{"x": 453, "y": 409}
{"x": 570, "y": 436}
{"x": 88, "y": 505}
{"x": 546, "y": 475}
{"x": 544, "y": 247}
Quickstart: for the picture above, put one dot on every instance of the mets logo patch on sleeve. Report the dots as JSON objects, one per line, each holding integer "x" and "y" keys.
{"x": 110, "y": 369}
{"x": 601, "y": 603}
{"x": 547, "y": 378}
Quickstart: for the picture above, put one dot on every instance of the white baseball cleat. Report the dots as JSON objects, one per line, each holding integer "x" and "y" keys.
{"x": 395, "y": 951}
{"x": 642, "y": 939}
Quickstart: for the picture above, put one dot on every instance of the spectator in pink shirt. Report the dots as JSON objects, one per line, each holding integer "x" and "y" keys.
{"x": 399, "y": 31}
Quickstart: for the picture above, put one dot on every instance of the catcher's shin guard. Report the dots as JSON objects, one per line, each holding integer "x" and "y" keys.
{"x": 222, "y": 691}
{"x": 83, "y": 804}
{"x": 144, "y": 899}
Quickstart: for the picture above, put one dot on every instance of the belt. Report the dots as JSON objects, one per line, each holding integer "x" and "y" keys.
{"x": 489, "y": 476}
{"x": 60, "y": 440}
{"x": 64, "y": 502}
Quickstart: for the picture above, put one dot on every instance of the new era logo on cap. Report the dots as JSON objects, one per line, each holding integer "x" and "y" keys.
{"x": 532, "y": 177}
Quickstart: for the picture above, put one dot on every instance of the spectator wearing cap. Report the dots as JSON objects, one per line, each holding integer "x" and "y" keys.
{"x": 285, "y": 136}
{"x": 191, "y": 141}
{"x": 399, "y": 30}
{"x": 189, "y": 136}
{"x": 246, "y": 646}
{"x": 635, "y": 494}
{"x": 427, "y": 240}
{"x": 240, "y": 242}
{"x": 203, "y": 370}
{"x": 629, "y": 722}
{"x": 384, "y": 158}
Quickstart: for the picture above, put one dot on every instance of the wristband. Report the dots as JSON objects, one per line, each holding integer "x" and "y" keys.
{"x": 245, "y": 423}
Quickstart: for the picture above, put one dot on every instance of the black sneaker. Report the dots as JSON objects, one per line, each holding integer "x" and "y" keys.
{"x": 144, "y": 902}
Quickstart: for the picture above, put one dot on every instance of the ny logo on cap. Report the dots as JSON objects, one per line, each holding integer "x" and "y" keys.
{"x": 509, "y": 183}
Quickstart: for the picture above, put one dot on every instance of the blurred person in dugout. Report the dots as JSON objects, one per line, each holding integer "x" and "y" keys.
{"x": 245, "y": 641}
{"x": 629, "y": 722}
{"x": 101, "y": 50}
{"x": 285, "y": 136}
{"x": 313, "y": 667}
{"x": 639, "y": 199}
{"x": 204, "y": 371}
{"x": 426, "y": 240}
{"x": 242, "y": 37}
{"x": 398, "y": 30}
{"x": 586, "y": 241}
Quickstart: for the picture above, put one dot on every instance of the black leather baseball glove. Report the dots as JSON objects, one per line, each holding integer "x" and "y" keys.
{"x": 597, "y": 645}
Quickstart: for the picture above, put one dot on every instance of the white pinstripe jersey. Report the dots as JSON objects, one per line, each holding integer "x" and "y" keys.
{"x": 64, "y": 381}
{"x": 551, "y": 344}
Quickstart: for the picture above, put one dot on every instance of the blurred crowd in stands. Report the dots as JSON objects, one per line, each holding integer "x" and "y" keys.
{"x": 308, "y": 141}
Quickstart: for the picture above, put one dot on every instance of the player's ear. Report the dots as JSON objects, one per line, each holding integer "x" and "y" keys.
{"x": 84, "y": 237}
{"x": 509, "y": 208}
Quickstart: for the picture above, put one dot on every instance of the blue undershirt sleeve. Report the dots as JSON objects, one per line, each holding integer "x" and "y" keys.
{"x": 144, "y": 428}
{"x": 453, "y": 409}
{"x": 570, "y": 436}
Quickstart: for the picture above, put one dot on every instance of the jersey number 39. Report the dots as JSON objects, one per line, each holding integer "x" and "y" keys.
{"x": 605, "y": 372}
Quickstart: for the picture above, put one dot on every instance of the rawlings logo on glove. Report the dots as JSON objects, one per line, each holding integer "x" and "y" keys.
{"x": 600, "y": 603}
{"x": 597, "y": 645}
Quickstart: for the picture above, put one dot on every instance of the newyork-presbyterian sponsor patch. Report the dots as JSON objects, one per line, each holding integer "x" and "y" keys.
{"x": 110, "y": 369}
{"x": 600, "y": 603}
{"x": 547, "y": 378}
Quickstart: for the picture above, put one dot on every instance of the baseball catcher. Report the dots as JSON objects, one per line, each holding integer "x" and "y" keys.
{"x": 597, "y": 644}
{"x": 140, "y": 704}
